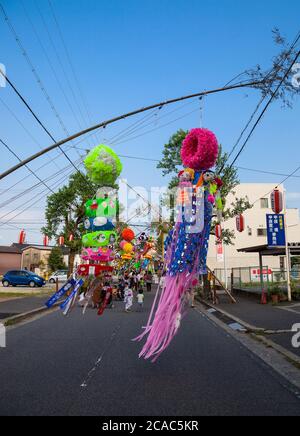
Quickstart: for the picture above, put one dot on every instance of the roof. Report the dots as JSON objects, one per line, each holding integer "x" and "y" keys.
{"x": 22, "y": 247}
{"x": 65, "y": 250}
{"x": 265, "y": 250}
{"x": 12, "y": 250}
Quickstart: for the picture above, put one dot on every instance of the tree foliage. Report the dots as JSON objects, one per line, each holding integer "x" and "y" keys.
{"x": 270, "y": 78}
{"x": 65, "y": 212}
{"x": 56, "y": 259}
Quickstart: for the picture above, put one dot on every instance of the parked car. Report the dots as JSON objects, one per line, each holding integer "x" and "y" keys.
{"x": 61, "y": 275}
{"x": 22, "y": 278}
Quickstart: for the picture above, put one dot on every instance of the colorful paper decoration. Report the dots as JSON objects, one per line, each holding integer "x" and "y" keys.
{"x": 277, "y": 201}
{"x": 99, "y": 239}
{"x": 22, "y": 237}
{"x": 187, "y": 244}
{"x": 218, "y": 231}
{"x": 240, "y": 223}
{"x": 103, "y": 166}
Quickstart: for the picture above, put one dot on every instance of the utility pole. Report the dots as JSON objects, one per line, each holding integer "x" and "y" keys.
{"x": 104, "y": 124}
{"x": 225, "y": 266}
{"x": 287, "y": 250}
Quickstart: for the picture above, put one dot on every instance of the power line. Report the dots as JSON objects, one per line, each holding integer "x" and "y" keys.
{"x": 16, "y": 208}
{"x": 145, "y": 159}
{"x": 278, "y": 184}
{"x": 20, "y": 160}
{"x": 60, "y": 62}
{"x": 33, "y": 187}
{"x": 274, "y": 72}
{"x": 34, "y": 115}
{"x": 122, "y": 117}
{"x": 265, "y": 172}
{"x": 68, "y": 57}
{"x": 41, "y": 167}
{"x": 157, "y": 128}
{"x": 55, "y": 185}
{"x": 128, "y": 130}
{"x": 24, "y": 128}
{"x": 266, "y": 108}
{"x": 40, "y": 84}
{"x": 56, "y": 76}
{"x": 143, "y": 125}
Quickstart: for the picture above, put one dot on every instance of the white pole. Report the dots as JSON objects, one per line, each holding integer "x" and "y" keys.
{"x": 287, "y": 251}
{"x": 225, "y": 266}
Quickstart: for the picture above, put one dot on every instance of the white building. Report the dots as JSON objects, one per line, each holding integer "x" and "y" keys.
{"x": 255, "y": 232}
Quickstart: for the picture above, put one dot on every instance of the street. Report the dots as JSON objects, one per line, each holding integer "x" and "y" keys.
{"x": 88, "y": 365}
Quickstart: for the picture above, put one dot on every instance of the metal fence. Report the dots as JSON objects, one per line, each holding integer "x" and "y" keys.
{"x": 250, "y": 277}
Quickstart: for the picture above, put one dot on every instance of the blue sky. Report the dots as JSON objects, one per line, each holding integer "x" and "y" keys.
{"x": 128, "y": 54}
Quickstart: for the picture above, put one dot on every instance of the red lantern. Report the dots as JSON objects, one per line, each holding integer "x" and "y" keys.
{"x": 61, "y": 240}
{"x": 71, "y": 237}
{"x": 218, "y": 231}
{"x": 277, "y": 201}
{"x": 46, "y": 240}
{"x": 22, "y": 237}
{"x": 240, "y": 223}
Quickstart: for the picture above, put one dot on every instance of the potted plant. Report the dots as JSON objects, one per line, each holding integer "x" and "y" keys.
{"x": 295, "y": 290}
{"x": 275, "y": 293}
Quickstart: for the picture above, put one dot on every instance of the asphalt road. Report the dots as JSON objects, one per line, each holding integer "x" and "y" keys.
{"x": 89, "y": 366}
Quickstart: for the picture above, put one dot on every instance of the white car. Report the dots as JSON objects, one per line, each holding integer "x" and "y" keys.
{"x": 61, "y": 275}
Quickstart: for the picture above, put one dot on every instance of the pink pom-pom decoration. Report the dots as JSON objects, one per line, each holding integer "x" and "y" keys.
{"x": 211, "y": 199}
{"x": 199, "y": 150}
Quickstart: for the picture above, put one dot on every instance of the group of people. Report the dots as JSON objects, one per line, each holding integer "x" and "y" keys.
{"x": 131, "y": 284}
{"x": 103, "y": 291}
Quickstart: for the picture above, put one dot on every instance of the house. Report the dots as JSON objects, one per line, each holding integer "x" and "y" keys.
{"x": 35, "y": 258}
{"x": 10, "y": 258}
{"x": 30, "y": 257}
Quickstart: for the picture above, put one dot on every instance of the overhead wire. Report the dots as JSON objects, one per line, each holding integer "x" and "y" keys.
{"x": 36, "y": 200}
{"x": 52, "y": 68}
{"x": 68, "y": 57}
{"x": 273, "y": 95}
{"x": 28, "y": 168}
{"x": 39, "y": 82}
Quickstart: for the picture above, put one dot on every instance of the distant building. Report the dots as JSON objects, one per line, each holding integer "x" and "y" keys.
{"x": 30, "y": 257}
{"x": 255, "y": 232}
{"x": 35, "y": 257}
{"x": 10, "y": 258}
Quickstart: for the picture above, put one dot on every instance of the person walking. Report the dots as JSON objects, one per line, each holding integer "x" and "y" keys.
{"x": 128, "y": 298}
{"x": 140, "y": 300}
{"x": 148, "y": 280}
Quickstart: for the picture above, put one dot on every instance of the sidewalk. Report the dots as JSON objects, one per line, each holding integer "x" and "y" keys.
{"x": 276, "y": 322}
{"x": 15, "y": 302}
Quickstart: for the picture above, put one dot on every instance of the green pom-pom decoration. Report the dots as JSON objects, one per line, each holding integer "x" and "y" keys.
{"x": 103, "y": 165}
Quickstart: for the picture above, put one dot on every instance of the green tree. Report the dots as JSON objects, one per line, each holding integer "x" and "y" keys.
{"x": 65, "y": 212}
{"x": 56, "y": 259}
{"x": 171, "y": 164}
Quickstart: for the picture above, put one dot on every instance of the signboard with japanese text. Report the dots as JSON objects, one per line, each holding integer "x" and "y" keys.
{"x": 220, "y": 252}
{"x": 275, "y": 230}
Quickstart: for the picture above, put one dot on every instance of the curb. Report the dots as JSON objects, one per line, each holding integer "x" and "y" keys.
{"x": 26, "y": 315}
{"x": 258, "y": 332}
{"x": 250, "y": 328}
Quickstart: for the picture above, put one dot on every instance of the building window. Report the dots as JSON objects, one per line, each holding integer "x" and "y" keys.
{"x": 264, "y": 203}
{"x": 261, "y": 232}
